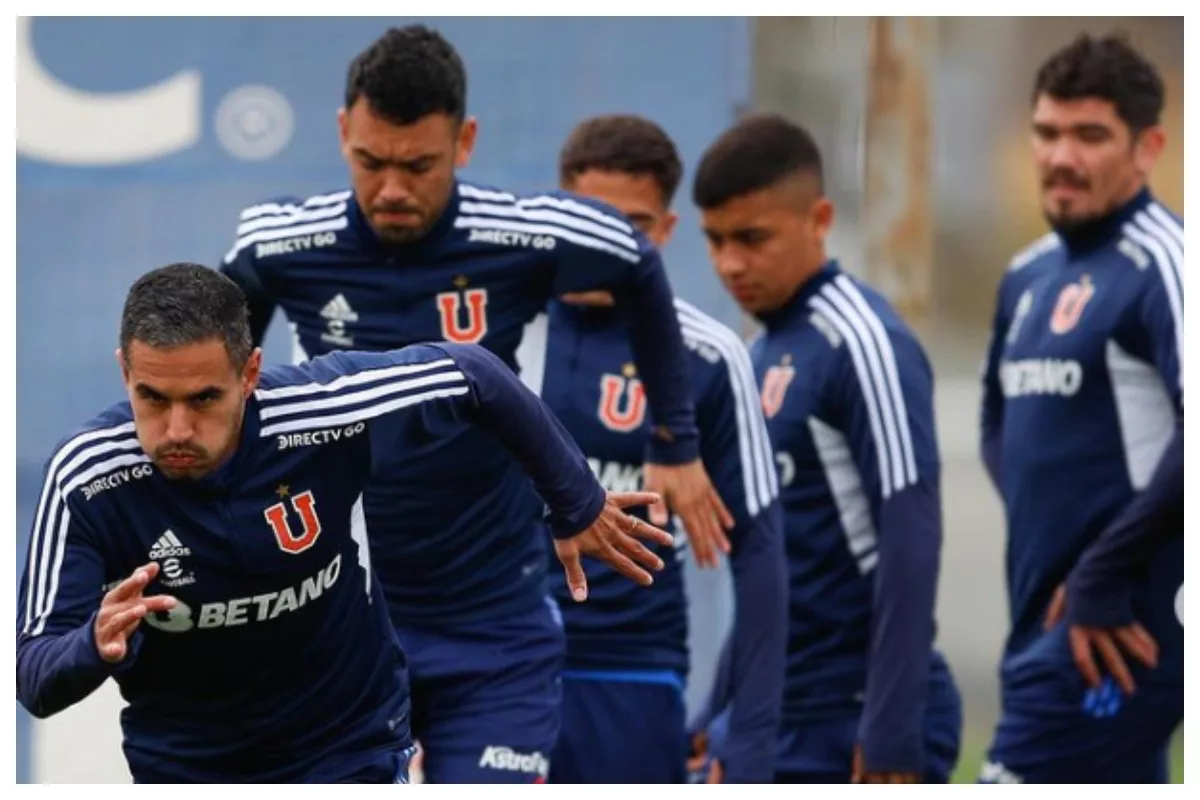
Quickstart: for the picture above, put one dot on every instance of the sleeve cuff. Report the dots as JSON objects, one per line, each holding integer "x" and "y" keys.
{"x": 680, "y": 450}
{"x": 1099, "y": 607}
{"x": 565, "y": 526}
{"x": 91, "y": 652}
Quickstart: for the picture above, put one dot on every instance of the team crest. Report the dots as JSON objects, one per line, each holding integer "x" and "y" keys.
{"x": 305, "y": 507}
{"x": 463, "y": 313}
{"x": 622, "y": 401}
{"x": 775, "y": 386}
{"x": 1071, "y": 302}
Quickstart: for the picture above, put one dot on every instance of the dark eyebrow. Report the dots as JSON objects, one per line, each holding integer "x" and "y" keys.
{"x": 149, "y": 392}
{"x": 393, "y": 162}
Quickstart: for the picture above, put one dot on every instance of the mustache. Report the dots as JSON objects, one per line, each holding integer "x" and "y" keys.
{"x": 1064, "y": 176}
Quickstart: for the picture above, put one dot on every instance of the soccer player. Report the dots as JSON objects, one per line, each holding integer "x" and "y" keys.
{"x": 627, "y": 658}
{"x": 222, "y": 507}
{"x": 410, "y": 254}
{"x": 848, "y": 395}
{"x": 1082, "y": 432}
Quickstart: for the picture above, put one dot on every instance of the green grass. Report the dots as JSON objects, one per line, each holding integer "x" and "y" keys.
{"x": 975, "y": 745}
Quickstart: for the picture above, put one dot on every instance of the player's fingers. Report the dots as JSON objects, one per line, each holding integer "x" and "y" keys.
{"x": 131, "y": 619}
{"x": 113, "y": 651}
{"x": 638, "y": 551}
{"x": 698, "y": 521}
{"x": 1111, "y": 655}
{"x": 121, "y": 620}
{"x": 710, "y": 530}
{"x": 644, "y": 530}
{"x": 1058, "y": 604}
{"x": 117, "y": 621}
{"x": 610, "y": 555}
{"x": 658, "y": 512}
{"x": 1138, "y": 642}
{"x": 656, "y": 509}
{"x": 724, "y": 516}
{"x": 716, "y": 773}
{"x": 126, "y": 616}
{"x": 1081, "y": 653}
{"x": 133, "y": 585}
{"x": 856, "y": 766}
{"x": 159, "y": 602}
{"x": 632, "y": 499}
{"x": 576, "y": 579}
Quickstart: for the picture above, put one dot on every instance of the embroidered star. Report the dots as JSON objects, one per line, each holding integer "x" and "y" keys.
{"x": 461, "y": 282}
{"x": 282, "y": 491}
{"x": 629, "y": 370}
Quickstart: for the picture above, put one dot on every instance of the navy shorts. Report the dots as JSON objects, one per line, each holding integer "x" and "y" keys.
{"x": 823, "y": 751}
{"x": 487, "y": 702}
{"x": 620, "y": 731}
{"x": 1058, "y": 730}
{"x": 383, "y": 767}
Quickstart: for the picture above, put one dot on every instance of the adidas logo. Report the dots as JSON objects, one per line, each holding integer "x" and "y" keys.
{"x": 168, "y": 546}
{"x": 339, "y": 309}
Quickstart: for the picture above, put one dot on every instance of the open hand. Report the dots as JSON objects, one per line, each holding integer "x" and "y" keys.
{"x": 688, "y": 492}
{"x": 613, "y": 538}
{"x": 1085, "y": 641}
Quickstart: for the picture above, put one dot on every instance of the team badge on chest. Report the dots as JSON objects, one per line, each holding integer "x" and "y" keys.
{"x": 304, "y": 505}
{"x": 463, "y": 313}
{"x": 775, "y": 385}
{"x": 1069, "y": 307}
{"x": 622, "y": 401}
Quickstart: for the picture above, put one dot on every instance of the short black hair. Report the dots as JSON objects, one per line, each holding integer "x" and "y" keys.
{"x": 408, "y": 74}
{"x": 758, "y": 152}
{"x": 1106, "y": 68}
{"x": 622, "y": 143}
{"x": 182, "y": 304}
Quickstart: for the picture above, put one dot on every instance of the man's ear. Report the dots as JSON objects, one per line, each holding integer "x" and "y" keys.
{"x": 120, "y": 354}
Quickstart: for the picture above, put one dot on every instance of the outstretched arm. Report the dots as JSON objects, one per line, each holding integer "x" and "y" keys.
{"x": 469, "y": 384}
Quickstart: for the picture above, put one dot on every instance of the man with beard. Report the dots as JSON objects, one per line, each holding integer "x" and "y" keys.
{"x": 1082, "y": 433}
{"x": 222, "y": 506}
{"x": 413, "y": 254}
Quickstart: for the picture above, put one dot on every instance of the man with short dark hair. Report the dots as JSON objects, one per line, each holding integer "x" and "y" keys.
{"x": 848, "y": 395}
{"x": 222, "y": 506}
{"x": 412, "y": 254}
{"x": 627, "y": 656}
{"x": 1082, "y": 433}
